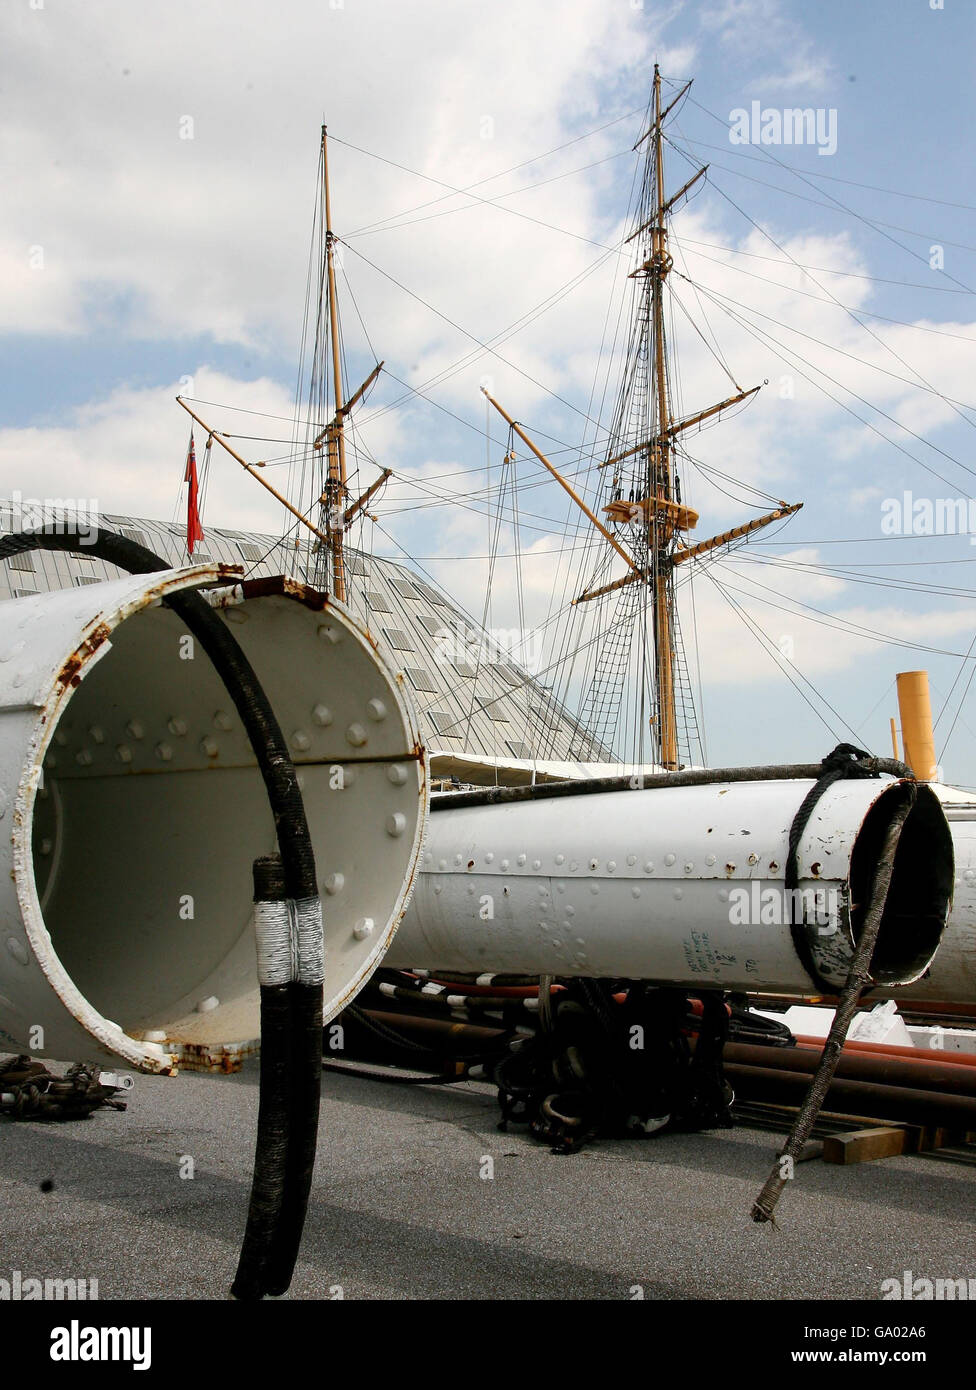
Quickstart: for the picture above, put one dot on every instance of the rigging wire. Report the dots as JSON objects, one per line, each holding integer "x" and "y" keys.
{"x": 536, "y": 159}
{"x": 783, "y": 664}
{"x": 832, "y": 178}
{"x": 488, "y": 202}
{"x": 767, "y": 338}
{"x": 848, "y": 308}
{"x": 842, "y": 625}
{"x": 484, "y": 346}
{"x": 865, "y": 327}
{"x": 965, "y": 693}
{"x": 823, "y": 269}
{"x": 869, "y": 580}
{"x": 510, "y": 193}
{"x": 945, "y": 702}
{"x": 836, "y": 206}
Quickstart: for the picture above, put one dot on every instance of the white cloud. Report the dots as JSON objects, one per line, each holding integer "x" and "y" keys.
{"x": 209, "y": 233}
{"x": 768, "y": 31}
{"x": 126, "y": 452}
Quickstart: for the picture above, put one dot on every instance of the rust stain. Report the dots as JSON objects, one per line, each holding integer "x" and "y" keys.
{"x": 209, "y": 1058}
{"x": 70, "y": 673}
{"x": 281, "y": 585}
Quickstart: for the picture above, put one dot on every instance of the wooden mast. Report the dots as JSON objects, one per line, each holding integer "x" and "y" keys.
{"x": 654, "y": 507}
{"x": 661, "y": 477}
{"x": 339, "y": 513}
{"x": 660, "y": 508}
{"x": 335, "y": 495}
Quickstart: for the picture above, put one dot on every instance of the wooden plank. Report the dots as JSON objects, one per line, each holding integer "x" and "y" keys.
{"x": 780, "y": 1117}
{"x": 862, "y": 1145}
{"x": 813, "y": 1148}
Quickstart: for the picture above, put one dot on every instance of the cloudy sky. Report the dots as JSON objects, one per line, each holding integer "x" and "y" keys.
{"x": 159, "y": 165}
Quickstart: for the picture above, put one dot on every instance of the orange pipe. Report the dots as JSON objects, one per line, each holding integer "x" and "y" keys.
{"x": 922, "y": 1054}
{"x": 496, "y": 991}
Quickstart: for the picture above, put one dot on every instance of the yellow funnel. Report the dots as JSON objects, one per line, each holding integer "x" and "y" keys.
{"x": 917, "y": 737}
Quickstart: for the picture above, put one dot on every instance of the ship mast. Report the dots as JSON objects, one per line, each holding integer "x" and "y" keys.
{"x": 334, "y": 495}
{"x": 657, "y": 267}
{"x": 338, "y": 512}
{"x": 644, "y": 493}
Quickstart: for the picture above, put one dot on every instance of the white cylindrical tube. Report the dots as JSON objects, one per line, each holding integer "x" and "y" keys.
{"x": 132, "y": 809}
{"x": 951, "y": 978}
{"x": 679, "y": 885}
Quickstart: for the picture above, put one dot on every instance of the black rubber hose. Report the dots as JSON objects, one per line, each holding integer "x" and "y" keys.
{"x": 305, "y": 1014}
{"x": 294, "y": 840}
{"x": 640, "y": 781}
{"x": 275, "y": 1105}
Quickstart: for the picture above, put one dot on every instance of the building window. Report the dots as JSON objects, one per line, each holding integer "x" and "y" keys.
{"x": 494, "y": 710}
{"x": 398, "y": 640}
{"x": 23, "y": 561}
{"x": 509, "y": 675}
{"x": 404, "y": 588}
{"x": 520, "y": 750}
{"x": 431, "y": 595}
{"x": 377, "y": 601}
{"x": 444, "y": 723}
{"x": 420, "y": 679}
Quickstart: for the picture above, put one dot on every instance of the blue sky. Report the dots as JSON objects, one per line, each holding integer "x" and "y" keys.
{"x": 168, "y": 260}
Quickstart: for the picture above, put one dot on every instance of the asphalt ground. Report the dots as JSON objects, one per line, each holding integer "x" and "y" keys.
{"x": 406, "y": 1205}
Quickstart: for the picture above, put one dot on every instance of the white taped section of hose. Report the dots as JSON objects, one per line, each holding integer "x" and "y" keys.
{"x": 290, "y": 944}
{"x": 311, "y": 944}
{"x": 273, "y": 930}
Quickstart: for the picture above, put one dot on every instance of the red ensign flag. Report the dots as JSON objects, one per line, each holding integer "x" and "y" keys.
{"x": 194, "y": 530}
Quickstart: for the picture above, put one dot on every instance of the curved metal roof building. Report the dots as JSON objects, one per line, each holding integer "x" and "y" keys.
{"x": 477, "y": 708}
